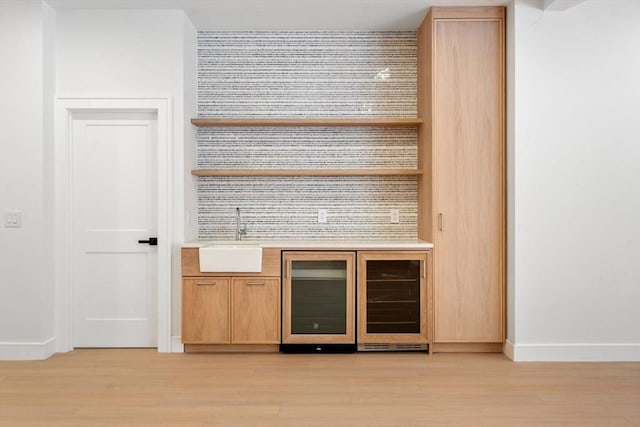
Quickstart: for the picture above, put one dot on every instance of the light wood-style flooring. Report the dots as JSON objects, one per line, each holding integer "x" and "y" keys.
{"x": 135, "y": 387}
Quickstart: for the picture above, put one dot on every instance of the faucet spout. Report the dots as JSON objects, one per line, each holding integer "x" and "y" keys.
{"x": 241, "y": 229}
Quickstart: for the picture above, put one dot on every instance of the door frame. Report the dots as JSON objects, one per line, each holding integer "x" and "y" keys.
{"x": 65, "y": 109}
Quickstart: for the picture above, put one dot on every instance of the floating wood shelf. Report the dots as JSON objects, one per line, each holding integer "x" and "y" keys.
{"x": 383, "y": 122}
{"x": 305, "y": 172}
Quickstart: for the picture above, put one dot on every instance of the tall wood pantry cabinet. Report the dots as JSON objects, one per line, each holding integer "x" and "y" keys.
{"x": 461, "y": 147}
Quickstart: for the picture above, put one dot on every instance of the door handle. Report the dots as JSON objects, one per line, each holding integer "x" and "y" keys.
{"x": 153, "y": 241}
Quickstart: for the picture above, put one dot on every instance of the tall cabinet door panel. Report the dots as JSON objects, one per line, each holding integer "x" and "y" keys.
{"x": 468, "y": 174}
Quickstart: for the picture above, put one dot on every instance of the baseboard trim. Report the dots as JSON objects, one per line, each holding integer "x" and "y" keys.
{"x": 27, "y": 350}
{"x": 576, "y": 352}
{"x": 508, "y": 349}
{"x": 231, "y": 348}
{"x": 176, "y": 344}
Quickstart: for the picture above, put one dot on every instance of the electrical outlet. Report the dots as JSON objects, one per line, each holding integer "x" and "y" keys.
{"x": 322, "y": 216}
{"x": 395, "y": 216}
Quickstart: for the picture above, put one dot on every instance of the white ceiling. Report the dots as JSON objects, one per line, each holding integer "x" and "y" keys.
{"x": 262, "y": 15}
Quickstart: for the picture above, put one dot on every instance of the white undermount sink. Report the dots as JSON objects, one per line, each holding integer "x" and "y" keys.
{"x": 231, "y": 257}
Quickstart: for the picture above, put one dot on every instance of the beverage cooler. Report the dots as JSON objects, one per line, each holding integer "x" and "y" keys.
{"x": 392, "y": 301}
{"x": 318, "y": 301}
{"x": 320, "y": 309}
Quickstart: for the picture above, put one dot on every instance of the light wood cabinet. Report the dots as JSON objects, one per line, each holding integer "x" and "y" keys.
{"x": 394, "y": 291}
{"x": 231, "y": 310}
{"x": 461, "y": 96}
{"x": 230, "y": 313}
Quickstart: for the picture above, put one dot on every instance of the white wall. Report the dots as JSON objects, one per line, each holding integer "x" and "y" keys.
{"x": 119, "y": 53}
{"x": 136, "y": 53}
{"x": 49, "y": 88}
{"x": 575, "y": 140}
{"x": 26, "y": 315}
{"x": 190, "y": 73}
{"x": 72, "y": 53}
{"x": 188, "y": 225}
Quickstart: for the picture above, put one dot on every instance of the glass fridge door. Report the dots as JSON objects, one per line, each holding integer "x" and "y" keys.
{"x": 318, "y": 297}
{"x": 393, "y": 297}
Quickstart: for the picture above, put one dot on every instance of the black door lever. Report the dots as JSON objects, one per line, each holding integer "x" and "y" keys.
{"x": 153, "y": 241}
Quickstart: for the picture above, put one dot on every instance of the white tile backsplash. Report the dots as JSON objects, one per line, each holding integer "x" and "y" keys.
{"x": 307, "y": 74}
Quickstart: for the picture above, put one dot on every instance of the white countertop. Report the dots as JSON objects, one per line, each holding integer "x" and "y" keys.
{"x": 409, "y": 244}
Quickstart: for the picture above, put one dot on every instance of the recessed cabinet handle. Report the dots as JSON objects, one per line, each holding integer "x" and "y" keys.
{"x": 255, "y": 283}
{"x": 206, "y": 283}
{"x": 441, "y": 221}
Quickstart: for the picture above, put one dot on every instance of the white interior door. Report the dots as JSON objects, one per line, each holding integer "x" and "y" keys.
{"x": 114, "y": 205}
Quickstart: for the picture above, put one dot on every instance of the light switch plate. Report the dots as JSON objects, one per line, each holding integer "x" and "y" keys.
{"x": 13, "y": 219}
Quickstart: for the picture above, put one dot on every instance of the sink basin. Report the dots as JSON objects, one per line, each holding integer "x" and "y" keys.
{"x": 231, "y": 257}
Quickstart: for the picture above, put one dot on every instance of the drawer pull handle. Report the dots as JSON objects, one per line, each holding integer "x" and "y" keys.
{"x": 256, "y": 283}
{"x": 206, "y": 283}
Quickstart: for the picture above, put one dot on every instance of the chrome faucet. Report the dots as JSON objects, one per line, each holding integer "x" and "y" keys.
{"x": 241, "y": 229}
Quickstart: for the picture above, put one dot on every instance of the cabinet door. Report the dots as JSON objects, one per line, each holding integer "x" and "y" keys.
{"x": 468, "y": 168}
{"x": 205, "y": 311}
{"x": 393, "y": 297}
{"x": 318, "y": 298}
{"x": 255, "y": 308}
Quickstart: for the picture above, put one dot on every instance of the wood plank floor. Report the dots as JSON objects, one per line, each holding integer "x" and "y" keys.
{"x": 145, "y": 388}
